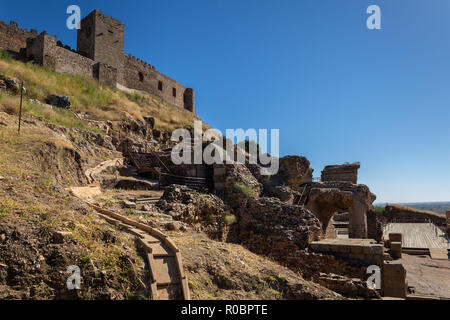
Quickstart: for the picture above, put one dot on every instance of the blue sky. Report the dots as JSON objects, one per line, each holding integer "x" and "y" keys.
{"x": 337, "y": 91}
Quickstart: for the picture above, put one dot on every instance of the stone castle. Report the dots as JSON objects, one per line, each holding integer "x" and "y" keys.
{"x": 99, "y": 54}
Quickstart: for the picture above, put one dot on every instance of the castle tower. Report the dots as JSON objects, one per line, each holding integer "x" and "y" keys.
{"x": 101, "y": 38}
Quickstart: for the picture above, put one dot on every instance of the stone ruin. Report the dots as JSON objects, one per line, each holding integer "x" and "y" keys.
{"x": 287, "y": 217}
{"x": 99, "y": 54}
{"x": 325, "y": 199}
{"x": 344, "y": 172}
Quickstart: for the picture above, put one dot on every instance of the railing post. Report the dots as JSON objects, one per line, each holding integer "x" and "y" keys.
{"x": 20, "y": 109}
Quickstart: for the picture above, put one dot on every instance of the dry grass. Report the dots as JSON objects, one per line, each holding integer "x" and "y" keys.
{"x": 99, "y": 101}
{"x": 404, "y": 208}
{"x": 27, "y": 194}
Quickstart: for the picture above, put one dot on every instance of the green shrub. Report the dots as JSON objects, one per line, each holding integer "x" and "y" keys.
{"x": 249, "y": 191}
{"x": 230, "y": 219}
{"x": 5, "y": 56}
{"x": 379, "y": 210}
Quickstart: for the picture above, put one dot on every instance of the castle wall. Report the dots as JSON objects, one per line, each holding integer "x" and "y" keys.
{"x": 100, "y": 46}
{"x": 13, "y": 38}
{"x": 45, "y": 51}
{"x": 142, "y": 76}
{"x": 101, "y": 38}
{"x": 105, "y": 74}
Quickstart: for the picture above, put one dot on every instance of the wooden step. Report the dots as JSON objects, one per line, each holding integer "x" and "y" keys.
{"x": 165, "y": 270}
{"x": 161, "y": 249}
{"x": 170, "y": 292}
{"x": 439, "y": 253}
{"x": 166, "y": 275}
{"x": 147, "y": 238}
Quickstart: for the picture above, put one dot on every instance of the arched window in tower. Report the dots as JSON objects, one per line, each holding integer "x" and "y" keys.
{"x": 160, "y": 86}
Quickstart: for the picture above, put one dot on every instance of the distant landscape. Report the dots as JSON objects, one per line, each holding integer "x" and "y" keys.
{"x": 438, "y": 207}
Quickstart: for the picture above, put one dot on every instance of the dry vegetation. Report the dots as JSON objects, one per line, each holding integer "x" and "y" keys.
{"x": 404, "y": 208}
{"x": 29, "y": 198}
{"x": 100, "y": 102}
{"x": 219, "y": 270}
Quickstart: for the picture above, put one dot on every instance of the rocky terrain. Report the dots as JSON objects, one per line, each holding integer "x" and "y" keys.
{"x": 44, "y": 228}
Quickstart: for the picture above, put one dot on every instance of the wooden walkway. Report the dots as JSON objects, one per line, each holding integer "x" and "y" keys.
{"x": 167, "y": 279}
{"x": 418, "y": 235}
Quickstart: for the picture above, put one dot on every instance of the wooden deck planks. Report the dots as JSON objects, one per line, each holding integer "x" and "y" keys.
{"x": 418, "y": 235}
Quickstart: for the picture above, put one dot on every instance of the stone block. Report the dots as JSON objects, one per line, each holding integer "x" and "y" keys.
{"x": 377, "y": 249}
{"x": 394, "y": 280}
{"x": 356, "y": 249}
{"x": 396, "y": 250}
{"x": 344, "y": 249}
{"x": 395, "y": 237}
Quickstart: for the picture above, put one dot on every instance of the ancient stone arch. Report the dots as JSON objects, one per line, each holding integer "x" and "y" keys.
{"x": 327, "y": 198}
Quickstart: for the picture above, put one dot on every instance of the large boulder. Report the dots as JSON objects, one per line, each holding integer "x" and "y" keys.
{"x": 205, "y": 212}
{"x": 240, "y": 185}
{"x": 292, "y": 172}
{"x": 9, "y": 84}
{"x": 59, "y": 101}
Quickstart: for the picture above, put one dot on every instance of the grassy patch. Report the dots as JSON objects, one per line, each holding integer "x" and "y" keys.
{"x": 250, "y": 192}
{"x": 100, "y": 102}
{"x": 230, "y": 219}
{"x": 379, "y": 210}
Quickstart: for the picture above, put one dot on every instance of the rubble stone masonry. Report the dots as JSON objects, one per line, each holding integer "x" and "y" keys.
{"x": 13, "y": 38}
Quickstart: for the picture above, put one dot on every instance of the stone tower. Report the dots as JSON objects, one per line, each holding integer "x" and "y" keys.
{"x": 101, "y": 38}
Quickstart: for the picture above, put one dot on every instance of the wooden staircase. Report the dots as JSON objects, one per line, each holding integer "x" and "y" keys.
{"x": 167, "y": 279}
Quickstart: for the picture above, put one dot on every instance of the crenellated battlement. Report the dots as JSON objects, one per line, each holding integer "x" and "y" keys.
{"x": 14, "y": 25}
{"x": 13, "y": 38}
{"x": 143, "y": 63}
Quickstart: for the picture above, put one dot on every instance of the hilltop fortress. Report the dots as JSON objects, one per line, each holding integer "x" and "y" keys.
{"x": 99, "y": 54}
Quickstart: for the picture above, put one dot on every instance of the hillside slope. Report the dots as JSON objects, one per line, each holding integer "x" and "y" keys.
{"x": 98, "y": 102}
{"x": 44, "y": 230}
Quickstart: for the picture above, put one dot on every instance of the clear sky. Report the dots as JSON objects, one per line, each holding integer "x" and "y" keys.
{"x": 337, "y": 91}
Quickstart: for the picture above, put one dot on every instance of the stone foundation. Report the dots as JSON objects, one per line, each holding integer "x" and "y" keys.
{"x": 365, "y": 251}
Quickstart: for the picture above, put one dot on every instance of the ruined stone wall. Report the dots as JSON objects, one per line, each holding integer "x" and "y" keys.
{"x": 346, "y": 172}
{"x": 142, "y": 76}
{"x": 13, "y": 38}
{"x": 44, "y": 50}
